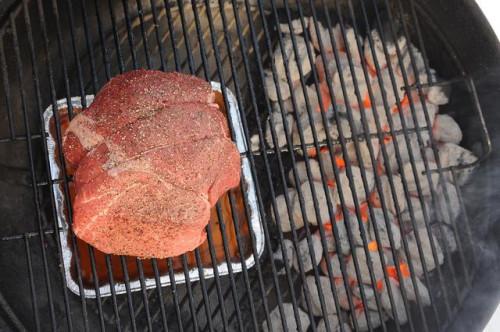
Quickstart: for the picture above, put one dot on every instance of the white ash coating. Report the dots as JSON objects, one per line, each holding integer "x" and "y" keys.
{"x": 446, "y": 130}
{"x": 343, "y": 123}
{"x": 282, "y": 209}
{"x": 437, "y": 95}
{"x": 425, "y": 245}
{"x": 332, "y": 65}
{"x": 307, "y": 129}
{"x": 361, "y": 319}
{"x": 380, "y": 223}
{"x": 304, "y": 254}
{"x": 351, "y": 42}
{"x": 288, "y": 251}
{"x": 419, "y": 214}
{"x": 420, "y": 112}
{"x": 368, "y": 290}
{"x": 326, "y": 159}
{"x": 454, "y": 155}
{"x": 295, "y": 61}
{"x": 352, "y": 80}
{"x": 445, "y": 236}
{"x": 343, "y": 237}
{"x": 296, "y": 24}
{"x": 376, "y": 51}
{"x": 334, "y": 262}
{"x": 289, "y": 317}
{"x": 364, "y": 266}
{"x": 385, "y": 91}
{"x": 398, "y": 307}
{"x": 333, "y": 322}
{"x": 254, "y": 143}
{"x": 425, "y": 185}
{"x": 280, "y": 133}
{"x": 301, "y": 106}
{"x": 324, "y": 36}
{"x": 322, "y": 198}
{"x": 354, "y": 223}
{"x": 393, "y": 107}
{"x": 301, "y": 172}
{"x": 364, "y": 152}
{"x": 408, "y": 65}
{"x": 273, "y": 87}
{"x": 390, "y": 199}
{"x": 345, "y": 186}
{"x": 326, "y": 290}
{"x": 448, "y": 203}
{"x": 423, "y": 292}
{"x": 398, "y": 144}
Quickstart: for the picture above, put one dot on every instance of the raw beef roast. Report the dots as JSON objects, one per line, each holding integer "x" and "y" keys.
{"x": 145, "y": 184}
{"x": 127, "y": 98}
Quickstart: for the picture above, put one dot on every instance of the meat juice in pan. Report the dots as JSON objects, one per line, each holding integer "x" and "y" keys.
{"x": 132, "y": 268}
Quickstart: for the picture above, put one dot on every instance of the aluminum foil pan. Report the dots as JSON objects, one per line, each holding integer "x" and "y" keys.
{"x": 255, "y": 219}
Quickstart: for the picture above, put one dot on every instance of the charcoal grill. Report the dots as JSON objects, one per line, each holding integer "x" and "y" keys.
{"x": 60, "y": 49}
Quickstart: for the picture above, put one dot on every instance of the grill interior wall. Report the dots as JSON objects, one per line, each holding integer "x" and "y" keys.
{"x": 96, "y": 41}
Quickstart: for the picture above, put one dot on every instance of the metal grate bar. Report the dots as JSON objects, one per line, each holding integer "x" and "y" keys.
{"x": 477, "y": 107}
{"x": 282, "y": 175}
{"x": 438, "y": 162}
{"x": 130, "y": 36}
{"x": 66, "y": 188}
{"x": 358, "y": 96}
{"x": 190, "y": 295}
{"x": 115, "y": 34}
{"x": 18, "y": 138}
{"x": 405, "y": 244}
{"x": 75, "y": 54}
{"x": 173, "y": 289}
{"x": 188, "y": 283}
{"x": 154, "y": 261}
{"x": 6, "y": 92}
{"x": 130, "y": 303}
{"x": 144, "y": 294}
{"x": 29, "y": 235}
{"x": 19, "y": 71}
{"x": 245, "y": 126}
{"x": 101, "y": 40}
{"x": 140, "y": 13}
{"x": 268, "y": 172}
{"x": 238, "y": 92}
{"x": 363, "y": 295}
{"x": 419, "y": 185}
{"x": 383, "y": 148}
{"x": 436, "y": 155}
{"x": 424, "y": 159}
{"x": 364, "y": 240}
{"x": 390, "y": 177}
{"x": 217, "y": 281}
{"x": 113, "y": 293}
{"x": 107, "y": 257}
{"x": 160, "y": 295}
{"x": 231, "y": 195}
{"x": 156, "y": 24}
{"x": 34, "y": 297}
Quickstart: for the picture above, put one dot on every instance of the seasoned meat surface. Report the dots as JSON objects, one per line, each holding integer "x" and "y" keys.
{"x": 145, "y": 184}
{"x": 125, "y": 99}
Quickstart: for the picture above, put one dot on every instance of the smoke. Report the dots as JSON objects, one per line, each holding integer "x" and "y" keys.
{"x": 482, "y": 197}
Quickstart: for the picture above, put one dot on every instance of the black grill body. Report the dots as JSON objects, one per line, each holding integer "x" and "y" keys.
{"x": 59, "y": 49}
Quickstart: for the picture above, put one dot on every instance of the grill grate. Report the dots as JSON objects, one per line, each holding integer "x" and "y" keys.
{"x": 45, "y": 55}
